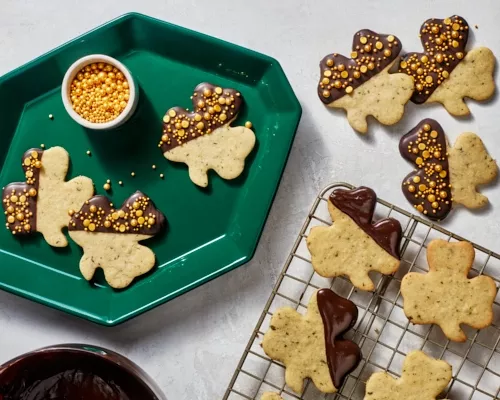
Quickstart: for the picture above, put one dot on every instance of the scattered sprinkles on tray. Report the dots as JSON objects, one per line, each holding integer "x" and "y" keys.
{"x": 99, "y": 92}
{"x": 213, "y": 108}
{"x": 371, "y": 53}
{"x": 428, "y": 188}
{"x": 444, "y": 42}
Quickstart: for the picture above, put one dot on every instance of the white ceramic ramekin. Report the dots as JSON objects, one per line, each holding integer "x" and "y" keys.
{"x": 73, "y": 71}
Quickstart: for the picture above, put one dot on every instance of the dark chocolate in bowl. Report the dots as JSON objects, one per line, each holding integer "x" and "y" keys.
{"x": 75, "y": 372}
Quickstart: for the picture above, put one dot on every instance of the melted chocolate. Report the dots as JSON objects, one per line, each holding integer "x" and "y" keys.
{"x": 359, "y": 205}
{"x": 19, "y": 198}
{"x": 213, "y": 107}
{"x": 70, "y": 376}
{"x": 427, "y": 188}
{"x": 338, "y": 315}
{"x": 444, "y": 42}
{"x": 138, "y": 215}
{"x": 371, "y": 54}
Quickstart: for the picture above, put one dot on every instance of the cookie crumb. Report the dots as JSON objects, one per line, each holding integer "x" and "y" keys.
{"x": 248, "y": 125}
{"x": 475, "y": 26}
{"x": 51, "y": 116}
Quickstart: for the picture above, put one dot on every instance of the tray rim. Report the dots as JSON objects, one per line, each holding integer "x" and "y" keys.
{"x": 294, "y": 113}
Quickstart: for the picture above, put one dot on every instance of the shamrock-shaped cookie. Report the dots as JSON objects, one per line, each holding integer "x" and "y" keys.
{"x": 311, "y": 345}
{"x": 41, "y": 203}
{"x": 445, "y": 296}
{"x": 444, "y": 175}
{"x": 353, "y": 245}
{"x": 444, "y": 72}
{"x": 362, "y": 84}
{"x": 203, "y": 139}
{"x": 423, "y": 378}
{"x": 110, "y": 237}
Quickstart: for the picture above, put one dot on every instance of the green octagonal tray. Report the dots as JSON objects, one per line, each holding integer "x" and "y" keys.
{"x": 210, "y": 231}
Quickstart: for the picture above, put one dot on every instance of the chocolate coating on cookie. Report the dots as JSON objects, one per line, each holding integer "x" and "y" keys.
{"x": 371, "y": 53}
{"x": 338, "y": 316}
{"x": 213, "y": 107}
{"x": 427, "y": 188}
{"x": 138, "y": 215}
{"x": 444, "y": 42}
{"x": 359, "y": 204}
{"x": 19, "y": 198}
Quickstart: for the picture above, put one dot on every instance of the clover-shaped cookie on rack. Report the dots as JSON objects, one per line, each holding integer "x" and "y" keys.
{"x": 445, "y": 295}
{"x": 353, "y": 245}
{"x": 444, "y": 175}
{"x": 445, "y": 73}
{"x": 362, "y": 84}
{"x": 41, "y": 203}
{"x": 311, "y": 345}
{"x": 422, "y": 378}
{"x": 110, "y": 237}
{"x": 203, "y": 139}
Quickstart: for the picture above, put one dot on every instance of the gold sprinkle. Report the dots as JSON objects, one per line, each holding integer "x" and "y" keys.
{"x": 92, "y": 227}
{"x": 390, "y": 38}
{"x": 106, "y": 186}
{"x": 172, "y": 113}
{"x": 132, "y": 174}
{"x": 349, "y": 89}
{"x": 162, "y": 176}
{"x": 416, "y": 179}
{"x": 88, "y": 152}
{"x": 122, "y": 228}
{"x": 419, "y": 161}
{"x": 363, "y": 40}
{"x": 379, "y": 45}
{"x": 354, "y": 54}
{"x": 166, "y": 118}
{"x": 329, "y": 62}
{"x": 51, "y": 116}
{"x": 248, "y": 125}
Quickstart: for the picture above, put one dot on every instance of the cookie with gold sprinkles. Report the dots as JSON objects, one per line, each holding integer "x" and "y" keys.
{"x": 110, "y": 237}
{"x": 203, "y": 138}
{"x": 362, "y": 85}
{"x": 444, "y": 176}
{"x": 41, "y": 203}
{"x": 444, "y": 72}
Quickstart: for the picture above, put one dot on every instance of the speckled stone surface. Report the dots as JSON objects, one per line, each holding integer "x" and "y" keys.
{"x": 191, "y": 345}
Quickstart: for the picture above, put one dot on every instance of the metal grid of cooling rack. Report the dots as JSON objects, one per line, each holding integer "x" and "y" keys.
{"x": 382, "y": 330}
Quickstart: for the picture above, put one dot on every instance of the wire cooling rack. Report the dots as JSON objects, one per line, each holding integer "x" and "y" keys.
{"x": 382, "y": 331}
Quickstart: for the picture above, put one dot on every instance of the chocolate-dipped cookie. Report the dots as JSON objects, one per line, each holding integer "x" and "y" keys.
{"x": 362, "y": 85}
{"x": 444, "y": 176}
{"x": 203, "y": 138}
{"x": 444, "y": 72}
{"x": 110, "y": 237}
{"x": 353, "y": 245}
{"x": 41, "y": 203}
{"x": 311, "y": 345}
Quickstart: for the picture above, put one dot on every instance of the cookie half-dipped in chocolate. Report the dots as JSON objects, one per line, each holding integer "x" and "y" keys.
{"x": 19, "y": 198}
{"x": 427, "y": 188}
{"x": 444, "y": 42}
{"x": 312, "y": 345}
{"x": 362, "y": 85}
{"x": 445, "y": 175}
{"x": 338, "y": 315}
{"x": 353, "y": 245}
{"x": 203, "y": 138}
{"x": 371, "y": 54}
{"x": 41, "y": 203}
{"x": 110, "y": 237}
{"x": 359, "y": 204}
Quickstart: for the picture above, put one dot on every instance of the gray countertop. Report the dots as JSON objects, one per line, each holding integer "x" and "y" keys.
{"x": 191, "y": 345}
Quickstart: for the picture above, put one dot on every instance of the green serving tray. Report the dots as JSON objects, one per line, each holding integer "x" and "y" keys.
{"x": 210, "y": 231}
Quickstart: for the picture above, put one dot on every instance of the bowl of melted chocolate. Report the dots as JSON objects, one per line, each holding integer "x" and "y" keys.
{"x": 75, "y": 372}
